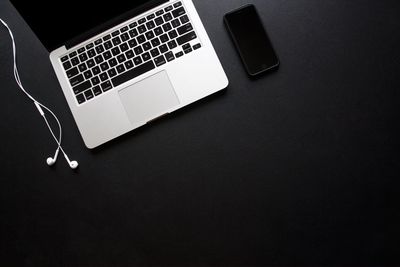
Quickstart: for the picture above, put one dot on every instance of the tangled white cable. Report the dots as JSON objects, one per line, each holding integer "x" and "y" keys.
{"x": 51, "y": 160}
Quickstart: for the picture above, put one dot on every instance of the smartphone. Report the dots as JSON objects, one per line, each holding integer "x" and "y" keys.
{"x": 251, "y": 40}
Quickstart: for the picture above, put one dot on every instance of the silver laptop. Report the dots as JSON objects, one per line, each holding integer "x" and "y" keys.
{"x": 123, "y": 64}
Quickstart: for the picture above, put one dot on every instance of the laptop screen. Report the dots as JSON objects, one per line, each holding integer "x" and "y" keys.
{"x": 57, "y": 22}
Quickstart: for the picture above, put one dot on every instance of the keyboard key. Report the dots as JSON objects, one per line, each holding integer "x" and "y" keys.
{"x": 97, "y": 42}
{"x": 141, "y": 39}
{"x": 158, "y": 31}
{"x": 196, "y": 46}
{"x": 104, "y": 66}
{"x": 76, "y": 80}
{"x": 173, "y": 34}
{"x": 95, "y": 80}
{"x": 115, "y": 51}
{"x": 129, "y": 64}
{"x": 154, "y": 52}
{"x": 91, "y": 53}
{"x": 187, "y": 51}
{"x": 141, "y": 21}
{"x": 121, "y": 58}
{"x": 106, "y": 86}
{"x": 159, "y": 21}
{"x": 99, "y": 49}
{"x": 186, "y": 38}
{"x": 178, "y": 12}
{"x": 186, "y": 46}
{"x": 163, "y": 48}
{"x": 112, "y": 73}
{"x": 168, "y": 8}
{"x": 124, "y": 29}
{"x": 73, "y": 54}
{"x": 125, "y": 37}
{"x": 107, "y": 37}
{"x": 64, "y": 58}
{"x": 116, "y": 41}
{"x": 147, "y": 46}
{"x": 89, "y": 94}
{"x": 83, "y": 57}
{"x": 142, "y": 29}
{"x": 120, "y": 68}
{"x": 133, "y": 25}
{"x": 90, "y": 63}
{"x": 185, "y": 28}
{"x": 167, "y": 17}
{"x": 97, "y": 90}
{"x": 82, "y": 87}
{"x": 80, "y": 98}
{"x": 72, "y": 72}
{"x": 138, "y": 50}
{"x": 149, "y": 35}
{"x": 67, "y": 65}
{"x": 178, "y": 4}
{"x": 160, "y": 12}
{"x": 172, "y": 44}
{"x": 96, "y": 70}
{"x": 164, "y": 38}
{"x": 113, "y": 62}
{"x": 99, "y": 59}
{"x": 150, "y": 17}
{"x": 124, "y": 47}
{"x": 155, "y": 42}
{"x": 75, "y": 61}
{"x": 179, "y": 54}
{"x": 137, "y": 61}
{"x": 146, "y": 56}
{"x": 159, "y": 61}
{"x": 167, "y": 27}
{"x": 89, "y": 46}
{"x": 108, "y": 45}
{"x": 129, "y": 54}
{"x": 184, "y": 19}
{"x": 82, "y": 67}
{"x": 132, "y": 43}
{"x": 107, "y": 55}
{"x": 133, "y": 73}
{"x": 87, "y": 74}
{"x": 115, "y": 33}
{"x": 150, "y": 25}
{"x": 133, "y": 33}
{"x": 175, "y": 23}
{"x": 103, "y": 76}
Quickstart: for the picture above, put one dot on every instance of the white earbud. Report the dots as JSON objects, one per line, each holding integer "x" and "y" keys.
{"x": 51, "y": 160}
{"x": 73, "y": 164}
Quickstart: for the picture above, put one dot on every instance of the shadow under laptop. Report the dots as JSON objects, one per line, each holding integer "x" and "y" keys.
{"x": 142, "y": 130}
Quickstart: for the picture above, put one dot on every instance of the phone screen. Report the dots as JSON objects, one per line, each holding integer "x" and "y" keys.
{"x": 251, "y": 40}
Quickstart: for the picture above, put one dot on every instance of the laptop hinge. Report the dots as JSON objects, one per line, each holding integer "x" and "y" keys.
{"x": 113, "y": 22}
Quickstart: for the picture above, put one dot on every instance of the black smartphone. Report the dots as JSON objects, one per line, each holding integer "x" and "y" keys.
{"x": 251, "y": 40}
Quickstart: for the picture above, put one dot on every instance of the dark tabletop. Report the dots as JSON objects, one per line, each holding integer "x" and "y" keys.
{"x": 298, "y": 167}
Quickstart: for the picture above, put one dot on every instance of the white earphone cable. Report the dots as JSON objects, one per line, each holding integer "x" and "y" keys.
{"x": 37, "y": 103}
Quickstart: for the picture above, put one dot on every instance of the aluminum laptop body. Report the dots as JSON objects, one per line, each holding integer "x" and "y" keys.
{"x": 162, "y": 82}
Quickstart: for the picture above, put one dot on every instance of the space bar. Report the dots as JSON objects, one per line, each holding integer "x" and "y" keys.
{"x": 133, "y": 73}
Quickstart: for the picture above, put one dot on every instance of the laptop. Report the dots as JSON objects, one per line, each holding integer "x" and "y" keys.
{"x": 123, "y": 64}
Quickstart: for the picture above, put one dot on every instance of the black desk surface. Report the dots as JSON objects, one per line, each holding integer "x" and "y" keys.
{"x": 298, "y": 167}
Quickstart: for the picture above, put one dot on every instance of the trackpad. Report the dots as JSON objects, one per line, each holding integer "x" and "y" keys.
{"x": 149, "y": 98}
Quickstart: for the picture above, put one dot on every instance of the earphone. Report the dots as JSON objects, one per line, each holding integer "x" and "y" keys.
{"x": 50, "y": 160}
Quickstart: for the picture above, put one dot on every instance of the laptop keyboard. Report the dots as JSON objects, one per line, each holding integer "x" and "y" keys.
{"x": 130, "y": 51}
